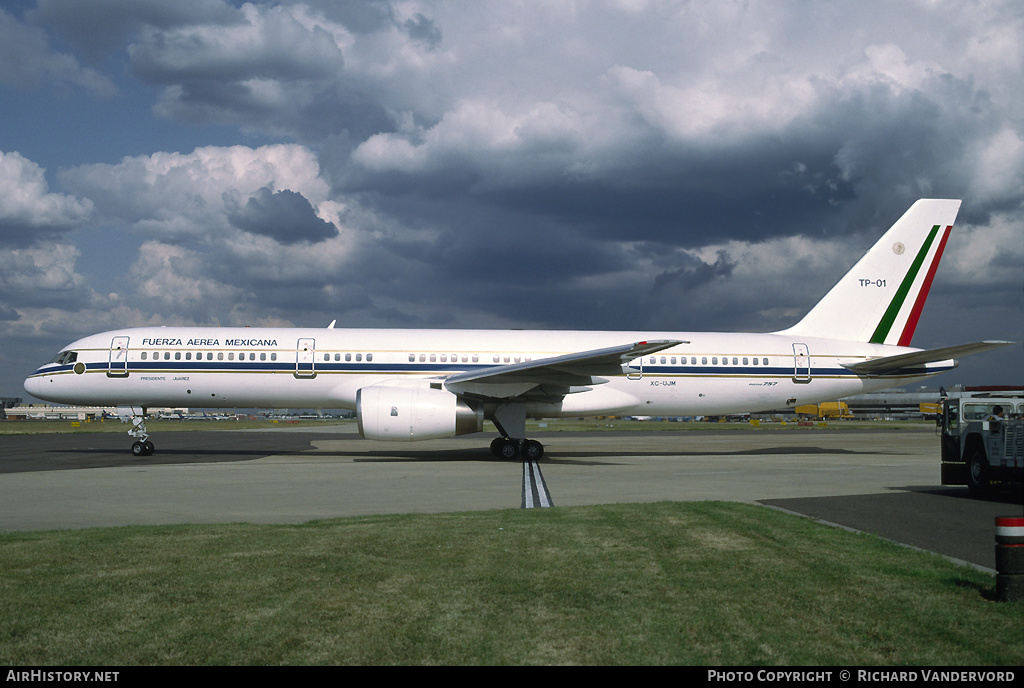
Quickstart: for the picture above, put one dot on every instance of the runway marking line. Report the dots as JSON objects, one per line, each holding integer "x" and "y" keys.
{"x": 535, "y": 490}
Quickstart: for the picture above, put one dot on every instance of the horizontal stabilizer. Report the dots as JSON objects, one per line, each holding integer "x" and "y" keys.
{"x": 893, "y": 364}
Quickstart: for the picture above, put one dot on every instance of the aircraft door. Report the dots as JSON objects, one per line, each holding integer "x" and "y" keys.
{"x": 801, "y": 363}
{"x": 117, "y": 362}
{"x": 635, "y": 369}
{"x": 305, "y": 355}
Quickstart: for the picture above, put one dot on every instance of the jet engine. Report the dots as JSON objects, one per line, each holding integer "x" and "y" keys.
{"x": 414, "y": 413}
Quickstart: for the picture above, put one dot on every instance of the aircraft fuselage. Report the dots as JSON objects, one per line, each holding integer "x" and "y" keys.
{"x": 713, "y": 373}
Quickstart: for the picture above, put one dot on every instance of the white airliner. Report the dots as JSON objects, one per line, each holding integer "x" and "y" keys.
{"x": 428, "y": 384}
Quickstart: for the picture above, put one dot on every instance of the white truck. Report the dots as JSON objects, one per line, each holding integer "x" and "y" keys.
{"x": 982, "y": 432}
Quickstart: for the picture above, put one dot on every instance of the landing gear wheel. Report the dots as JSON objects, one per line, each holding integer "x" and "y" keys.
{"x": 505, "y": 448}
{"x": 532, "y": 450}
{"x": 142, "y": 446}
{"x": 509, "y": 449}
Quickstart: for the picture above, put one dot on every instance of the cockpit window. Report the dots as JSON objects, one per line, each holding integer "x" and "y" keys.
{"x": 65, "y": 357}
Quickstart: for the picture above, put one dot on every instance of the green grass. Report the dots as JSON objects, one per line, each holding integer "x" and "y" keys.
{"x": 669, "y": 583}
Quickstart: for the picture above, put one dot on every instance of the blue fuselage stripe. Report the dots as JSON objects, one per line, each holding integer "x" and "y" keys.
{"x": 198, "y": 367}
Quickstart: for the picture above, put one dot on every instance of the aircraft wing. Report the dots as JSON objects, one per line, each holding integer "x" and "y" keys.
{"x": 892, "y": 364}
{"x": 552, "y": 377}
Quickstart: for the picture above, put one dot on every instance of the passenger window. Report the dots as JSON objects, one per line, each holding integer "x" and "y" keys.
{"x": 444, "y": 358}
{"x": 220, "y": 355}
{"x": 765, "y": 361}
{"x": 369, "y": 357}
{"x": 703, "y": 360}
{"x": 755, "y": 361}
{"x": 476, "y": 358}
{"x": 714, "y": 360}
{"x": 412, "y": 358}
{"x": 433, "y": 358}
{"x": 177, "y": 355}
{"x": 273, "y": 357}
{"x": 359, "y": 357}
{"x": 734, "y": 361}
{"x": 263, "y": 357}
{"x": 231, "y": 356}
{"x": 143, "y": 355}
{"x": 348, "y": 357}
{"x": 188, "y": 355}
{"x": 167, "y": 355}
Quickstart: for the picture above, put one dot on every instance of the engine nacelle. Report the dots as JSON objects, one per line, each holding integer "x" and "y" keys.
{"x": 413, "y": 413}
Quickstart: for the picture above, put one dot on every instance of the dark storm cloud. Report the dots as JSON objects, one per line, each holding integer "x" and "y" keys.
{"x": 28, "y": 61}
{"x": 23, "y": 233}
{"x": 268, "y": 70}
{"x": 677, "y": 282}
{"x": 424, "y": 30}
{"x": 101, "y": 26}
{"x": 285, "y": 216}
{"x": 869, "y": 152}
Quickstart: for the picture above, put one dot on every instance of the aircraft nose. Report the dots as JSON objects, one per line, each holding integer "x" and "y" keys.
{"x": 33, "y": 386}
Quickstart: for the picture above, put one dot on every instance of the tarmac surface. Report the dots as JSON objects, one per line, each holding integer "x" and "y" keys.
{"x": 884, "y": 482}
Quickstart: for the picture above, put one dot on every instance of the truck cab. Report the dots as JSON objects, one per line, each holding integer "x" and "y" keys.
{"x": 982, "y": 432}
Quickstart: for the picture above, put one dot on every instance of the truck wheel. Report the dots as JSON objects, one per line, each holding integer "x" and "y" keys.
{"x": 977, "y": 471}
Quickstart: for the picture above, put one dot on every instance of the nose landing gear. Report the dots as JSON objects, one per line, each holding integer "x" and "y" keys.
{"x": 142, "y": 446}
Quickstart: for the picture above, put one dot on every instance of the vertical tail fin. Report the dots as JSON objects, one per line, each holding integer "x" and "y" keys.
{"x": 880, "y": 299}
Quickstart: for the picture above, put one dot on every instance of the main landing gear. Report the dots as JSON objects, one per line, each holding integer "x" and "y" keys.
{"x": 510, "y": 419}
{"x": 142, "y": 446}
{"x": 508, "y": 448}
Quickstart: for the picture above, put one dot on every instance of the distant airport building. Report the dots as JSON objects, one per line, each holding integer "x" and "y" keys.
{"x": 6, "y": 403}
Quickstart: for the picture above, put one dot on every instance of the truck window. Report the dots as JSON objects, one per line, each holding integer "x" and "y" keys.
{"x": 978, "y": 411}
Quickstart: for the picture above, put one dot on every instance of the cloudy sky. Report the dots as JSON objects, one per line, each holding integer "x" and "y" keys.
{"x": 597, "y": 164}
